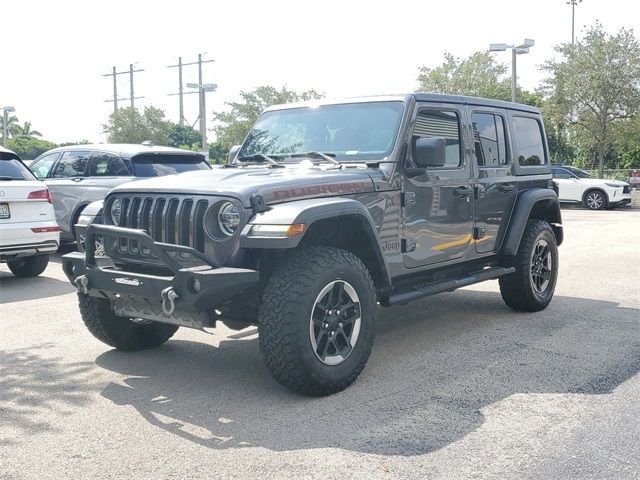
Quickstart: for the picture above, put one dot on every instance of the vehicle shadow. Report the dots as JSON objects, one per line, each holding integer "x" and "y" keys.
{"x": 436, "y": 364}
{"x": 32, "y": 382}
{"x": 15, "y": 289}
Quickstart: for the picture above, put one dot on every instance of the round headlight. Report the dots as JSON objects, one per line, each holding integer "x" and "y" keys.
{"x": 228, "y": 218}
{"x": 115, "y": 212}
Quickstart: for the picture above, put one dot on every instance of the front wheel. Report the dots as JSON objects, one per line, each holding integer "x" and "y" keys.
{"x": 595, "y": 200}
{"x": 317, "y": 321}
{"x": 29, "y": 266}
{"x": 530, "y": 288}
{"x": 122, "y": 333}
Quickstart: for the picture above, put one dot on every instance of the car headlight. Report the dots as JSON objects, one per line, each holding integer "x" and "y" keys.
{"x": 228, "y": 218}
{"x": 613, "y": 185}
{"x": 115, "y": 212}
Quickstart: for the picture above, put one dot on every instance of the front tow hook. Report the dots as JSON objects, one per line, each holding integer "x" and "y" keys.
{"x": 169, "y": 295}
{"x": 82, "y": 282}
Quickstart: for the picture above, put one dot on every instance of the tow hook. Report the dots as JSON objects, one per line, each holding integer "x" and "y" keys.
{"x": 169, "y": 296}
{"x": 82, "y": 282}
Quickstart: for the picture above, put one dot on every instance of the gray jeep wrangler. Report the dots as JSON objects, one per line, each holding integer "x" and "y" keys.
{"x": 327, "y": 210}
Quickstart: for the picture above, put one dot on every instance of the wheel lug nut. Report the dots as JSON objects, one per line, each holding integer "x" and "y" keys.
{"x": 325, "y": 325}
{"x": 337, "y": 312}
{"x": 340, "y": 324}
{"x": 329, "y": 312}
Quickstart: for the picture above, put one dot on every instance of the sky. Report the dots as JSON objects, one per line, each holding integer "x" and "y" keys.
{"x": 55, "y": 52}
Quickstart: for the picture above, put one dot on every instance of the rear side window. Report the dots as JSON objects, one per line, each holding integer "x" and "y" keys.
{"x": 527, "y": 134}
{"x": 72, "y": 164}
{"x": 158, "y": 165}
{"x": 104, "y": 164}
{"x": 489, "y": 140}
{"x": 12, "y": 169}
{"x": 441, "y": 124}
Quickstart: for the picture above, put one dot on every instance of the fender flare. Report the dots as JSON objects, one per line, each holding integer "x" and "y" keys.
{"x": 544, "y": 203}
{"x": 308, "y": 212}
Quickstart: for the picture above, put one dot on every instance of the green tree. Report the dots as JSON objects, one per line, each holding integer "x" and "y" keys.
{"x": 28, "y": 148}
{"x": 129, "y": 125}
{"x": 593, "y": 86}
{"x": 185, "y": 136}
{"x": 479, "y": 75}
{"x": 13, "y": 125}
{"x": 26, "y": 131}
{"x": 233, "y": 125}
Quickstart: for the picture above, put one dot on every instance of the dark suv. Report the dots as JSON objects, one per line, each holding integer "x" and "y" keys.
{"x": 325, "y": 211}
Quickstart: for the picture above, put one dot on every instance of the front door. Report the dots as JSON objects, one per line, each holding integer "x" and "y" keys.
{"x": 438, "y": 205}
{"x": 496, "y": 186}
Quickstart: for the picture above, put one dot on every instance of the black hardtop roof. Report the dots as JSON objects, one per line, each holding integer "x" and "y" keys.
{"x": 418, "y": 96}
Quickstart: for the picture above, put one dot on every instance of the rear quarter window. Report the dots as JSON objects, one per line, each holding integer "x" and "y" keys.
{"x": 529, "y": 145}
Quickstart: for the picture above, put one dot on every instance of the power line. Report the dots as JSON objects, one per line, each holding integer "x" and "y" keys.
{"x": 181, "y": 91}
{"x": 132, "y": 96}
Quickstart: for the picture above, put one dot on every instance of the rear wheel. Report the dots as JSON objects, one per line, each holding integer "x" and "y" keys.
{"x": 317, "y": 321}
{"x": 530, "y": 288}
{"x": 29, "y": 266}
{"x": 119, "y": 332}
{"x": 595, "y": 200}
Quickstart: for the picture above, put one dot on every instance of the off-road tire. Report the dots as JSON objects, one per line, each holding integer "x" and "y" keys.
{"x": 29, "y": 266}
{"x": 119, "y": 332}
{"x": 285, "y": 313}
{"x": 517, "y": 289}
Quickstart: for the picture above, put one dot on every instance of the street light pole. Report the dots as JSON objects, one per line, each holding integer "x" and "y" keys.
{"x": 202, "y": 90}
{"x": 5, "y": 124}
{"x": 573, "y": 4}
{"x": 515, "y": 51}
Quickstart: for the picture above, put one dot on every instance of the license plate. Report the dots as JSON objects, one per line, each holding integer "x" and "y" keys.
{"x": 4, "y": 210}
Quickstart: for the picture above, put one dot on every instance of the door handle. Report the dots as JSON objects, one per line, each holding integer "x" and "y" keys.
{"x": 76, "y": 179}
{"x": 507, "y": 187}
{"x": 462, "y": 192}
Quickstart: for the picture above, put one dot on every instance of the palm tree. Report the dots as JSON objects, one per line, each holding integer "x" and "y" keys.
{"x": 25, "y": 131}
{"x": 13, "y": 126}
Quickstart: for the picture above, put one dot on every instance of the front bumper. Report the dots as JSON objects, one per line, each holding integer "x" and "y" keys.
{"x": 187, "y": 296}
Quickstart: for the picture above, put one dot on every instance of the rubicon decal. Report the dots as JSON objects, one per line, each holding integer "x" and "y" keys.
{"x": 329, "y": 188}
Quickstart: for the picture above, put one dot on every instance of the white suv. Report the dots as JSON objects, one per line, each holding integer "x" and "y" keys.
{"x": 576, "y": 186}
{"x": 28, "y": 229}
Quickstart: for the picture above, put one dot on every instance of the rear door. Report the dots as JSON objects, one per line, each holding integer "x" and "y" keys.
{"x": 569, "y": 187}
{"x": 106, "y": 170}
{"x": 496, "y": 186}
{"x": 66, "y": 182}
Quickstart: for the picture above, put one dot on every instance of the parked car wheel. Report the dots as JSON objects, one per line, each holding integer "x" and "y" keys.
{"x": 29, "y": 266}
{"x": 595, "y": 200}
{"x": 122, "y": 333}
{"x": 530, "y": 288}
{"x": 317, "y": 321}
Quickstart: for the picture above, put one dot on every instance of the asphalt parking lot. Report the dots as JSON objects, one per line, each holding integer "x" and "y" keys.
{"x": 458, "y": 386}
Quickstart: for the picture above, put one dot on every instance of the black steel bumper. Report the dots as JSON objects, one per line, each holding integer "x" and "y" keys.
{"x": 186, "y": 296}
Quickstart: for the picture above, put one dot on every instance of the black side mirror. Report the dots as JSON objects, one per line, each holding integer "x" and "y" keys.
{"x": 233, "y": 152}
{"x": 430, "y": 152}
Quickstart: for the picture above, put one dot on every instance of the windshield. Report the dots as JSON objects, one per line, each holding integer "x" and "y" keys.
{"x": 12, "y": 169}
{"x": 579, "y": 173}
{"x": 350, "y": 132}
{"x": 159, "y": 165}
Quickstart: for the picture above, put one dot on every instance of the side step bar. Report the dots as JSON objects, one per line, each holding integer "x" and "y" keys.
{"x": 446, "y": 286}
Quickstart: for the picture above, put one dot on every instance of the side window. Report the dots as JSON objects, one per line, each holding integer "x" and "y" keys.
{"x": 106, "y": 165}
{"x": 441, "y": 124}
{"x": 72, "y": 164}
{"x": 489, "y": 140}
{"x": 42, "y": 167}
{"x": 528, "y": 141}
{"x": 560, "y": 173}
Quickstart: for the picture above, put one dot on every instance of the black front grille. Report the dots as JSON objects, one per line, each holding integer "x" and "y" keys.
{"x": 174, "y": 220}
{"x": 626, "y": 189}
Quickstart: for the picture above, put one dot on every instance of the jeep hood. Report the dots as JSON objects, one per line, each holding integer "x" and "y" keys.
{"x": 274, "y": 184}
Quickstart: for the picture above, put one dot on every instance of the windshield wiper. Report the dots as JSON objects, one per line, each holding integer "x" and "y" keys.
{"x": 255, "y": 157}
{"x": 318, "y": 156}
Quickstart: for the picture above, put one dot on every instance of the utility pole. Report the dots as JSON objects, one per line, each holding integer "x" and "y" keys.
{"x": 573, "y": 4}
{"x": 114, "y": 74}
{"x": 181, "y": 91}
